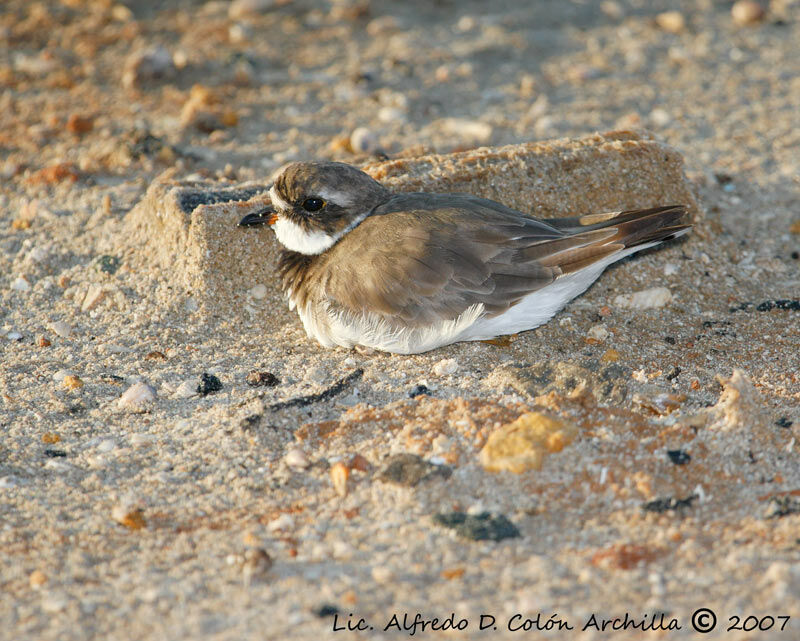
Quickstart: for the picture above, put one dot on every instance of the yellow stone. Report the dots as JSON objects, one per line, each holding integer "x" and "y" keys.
{"x": 523, "y": 444}
{"x": 37, "y": 579}
{"x": 339, "y": 475}
{"x": 72, "y": 382}
{"x": 610, "y": 356}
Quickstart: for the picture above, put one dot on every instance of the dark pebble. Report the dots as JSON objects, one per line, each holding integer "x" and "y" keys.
{"x": 108, "y": 264}
{"x": 784, "y": 422}
{"x": 478, "y": 527}
{"x": 410, "y": 469}
{"x": 112, "y": 378}
{"x": 789, "y": 304}
{"x": 418, "y": 390}
{"x": 795, "y": 255}
{"x": 780, "y": 506}
{"x": 326, "y": 610}
{"x": 679, "y": 457}
{"x": 669, "y": 504}
{"x": 784, "y": 303}
{"x": 208, "y": 384}
{"x": 50, "y": 453}
{"x": 145, "y": 144}
{"x": 669, "y": 340}
{"x": 674, "y": 373}
{"x": 262, "y": 379}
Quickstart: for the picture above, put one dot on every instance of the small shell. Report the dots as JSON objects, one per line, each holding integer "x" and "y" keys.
{"x": 137, "y": 398}
{"x": 297, "y": 458}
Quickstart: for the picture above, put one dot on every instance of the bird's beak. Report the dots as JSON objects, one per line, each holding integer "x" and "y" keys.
{"x": 266, "y": 216}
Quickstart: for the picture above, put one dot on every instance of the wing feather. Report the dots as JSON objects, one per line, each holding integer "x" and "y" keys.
{"x": 423, "y": 258}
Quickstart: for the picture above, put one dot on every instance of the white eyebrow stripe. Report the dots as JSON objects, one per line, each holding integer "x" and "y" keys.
{"x": 336, "y": 197}
{"x": 277, "y": 201}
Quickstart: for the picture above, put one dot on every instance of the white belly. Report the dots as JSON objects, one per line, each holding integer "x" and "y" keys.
{"x": 331, "y": 328}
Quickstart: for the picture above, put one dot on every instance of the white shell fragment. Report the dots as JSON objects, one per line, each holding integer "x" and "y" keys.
{"x": 645, "y": 299}
{"x": 445, "y": 367}
{"x": 296, "y": 458}
{"x": 137, "y": 398}
{"x": 20, "y": 284}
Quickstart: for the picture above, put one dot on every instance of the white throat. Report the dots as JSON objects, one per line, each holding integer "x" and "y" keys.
{"x": 297, "y": 239}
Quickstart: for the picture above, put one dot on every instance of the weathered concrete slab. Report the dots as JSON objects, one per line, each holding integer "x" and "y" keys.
{"x": 190, "y": 229}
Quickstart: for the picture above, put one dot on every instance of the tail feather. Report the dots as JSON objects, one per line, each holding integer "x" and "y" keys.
{"x": 627, "y": 229}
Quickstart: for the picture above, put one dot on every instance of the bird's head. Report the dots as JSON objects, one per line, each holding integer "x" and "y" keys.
{"x": 314, "y": 204}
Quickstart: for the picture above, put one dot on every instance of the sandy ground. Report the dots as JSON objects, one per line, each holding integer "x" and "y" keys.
{"x": 238, "y": 515}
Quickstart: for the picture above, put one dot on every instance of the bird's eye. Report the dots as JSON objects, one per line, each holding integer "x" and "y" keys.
{"x": 313, "y": 204}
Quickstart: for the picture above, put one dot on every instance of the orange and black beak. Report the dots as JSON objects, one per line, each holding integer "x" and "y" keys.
{"x": 266, "y": 216}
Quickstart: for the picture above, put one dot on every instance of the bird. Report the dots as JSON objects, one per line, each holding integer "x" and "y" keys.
{"x": 411, "y": 272}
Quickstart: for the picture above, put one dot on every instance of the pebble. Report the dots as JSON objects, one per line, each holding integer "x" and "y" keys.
{"x": 7, "y": 482}
{"x": 129, "y": 516}
{"x": 660, "y": 117}
{"x": 258, "y": 292}
{"x": 598, "y": 332}
{"x": 54, "y": 602}
{"x": 257, "y": 562}
{"x": 72, "y": 382}
{"x": 339, "y": 475}
{"x": 780, "y": 506}
{"x": 137, "y": 398}
{"x": 670, "y": 269}
{"x": 147, "y": 64}
{"x": 93, "y": 296}
{"x": 382, "y": 25}
{"x": 382, "y": 574}
{"x": 746, "y": 12}
{"x": 391, "y": 115}
{"x": 14, "y": 336}
{"x": 645, "y": 299}
{"x": 106, "y": 445}
{"x": 363, "y": 141}
{"x": 78, "y": 124}
{"x": 669, "y": 504}
{"x": 142, "y": 440}
{"x": 283, "y": 522}
{"x": 262, "y": 379}
{"x": 679, "y": 457}
{"x": 522, "y": 445}
{"x": 61, "y": 374}
{"x": 60, "y": 467}
{"x": 473, "y": 130}
{"x": 478, "y": 527}
{"x": 418, "y": 390}
{"x": 187, "y": 389}
{"x": 445, "y": 367}
{"x": 317, "y": 375}
{"x": 208, "y": 384}
{"x": 409, "y": 470}
{"x": 108, "y": 264}
{"x": 295, "y": 457}
{"x": 671, "y": 21}
{"x": 62, "y": 329}
{"x": 37, "y": 579}
{"x": 19, "y": 284}
{"x": 38, "y": 254}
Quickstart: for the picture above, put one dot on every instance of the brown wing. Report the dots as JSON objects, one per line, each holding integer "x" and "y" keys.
{"x": 427, "y": 257}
